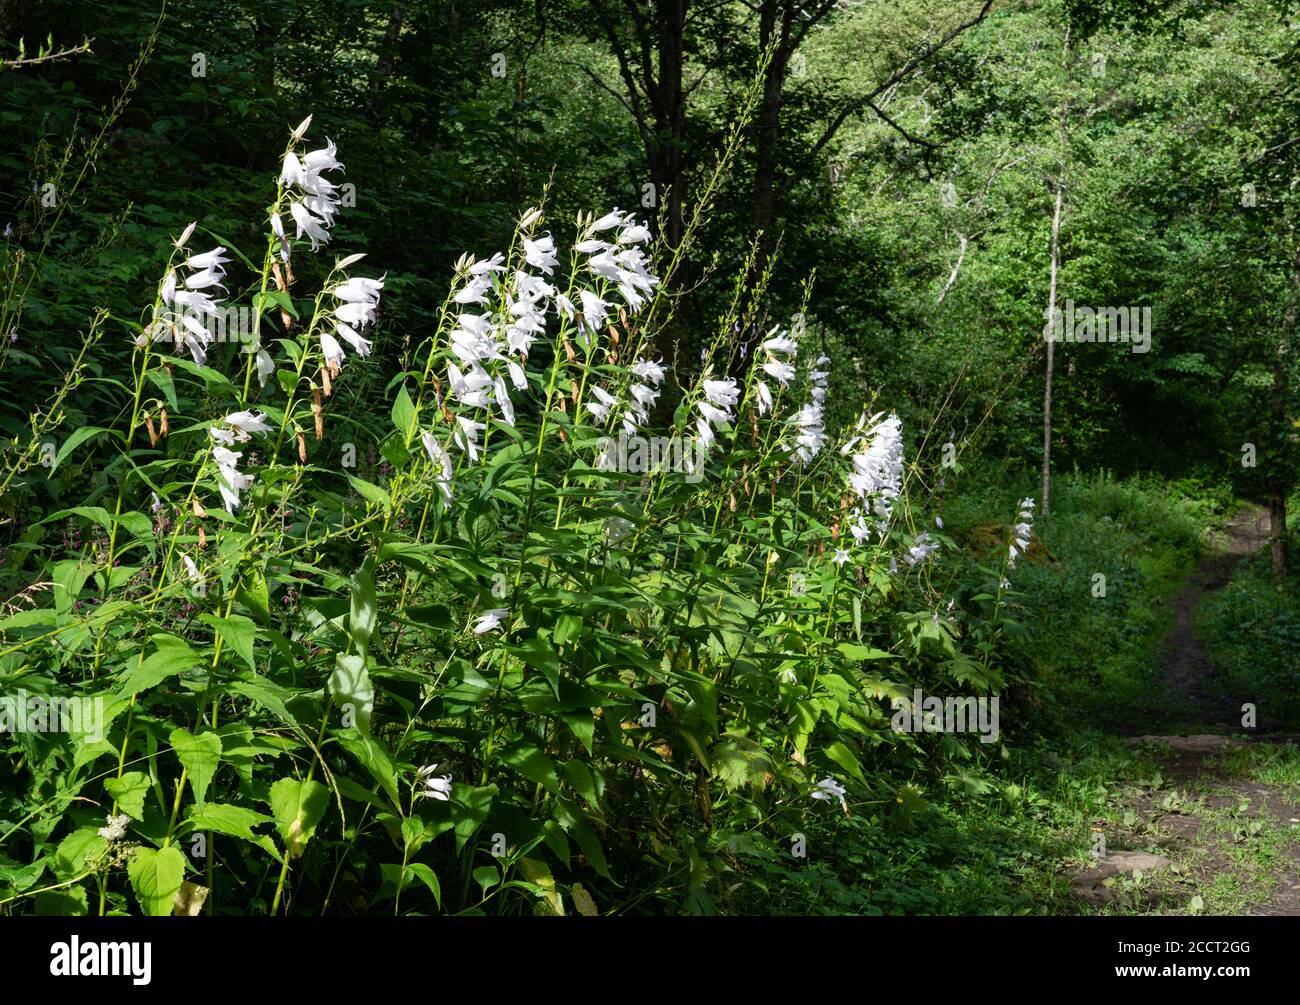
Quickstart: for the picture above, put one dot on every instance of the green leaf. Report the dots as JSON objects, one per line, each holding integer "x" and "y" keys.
{"x": 277, "y": 298}
{"x": 199, "y": 755}
{"x": 252, "y": 593}
{"x": 75, "y": 849}
{"x": 75, "y": 440}
{"x": 156, "y": 875}
{"x": 364, "y": 612}
{"x": 539, "y": 874}
{"x": 487, "y": 876}
{"x": 403, "y": 412}
{"x": 470, "y": 809}
{"x": 428, "y": 877}
{"x": 297, "y": 807}
{"x": 841, "y": 755}
{"x": 374, "y": 757}
{"x": 371, "y": 493}
{"x": 738, "y": 761}
{"x": 66, "y": 903}
{"x": 567, "y": 628}
{"x": 69, "y": 578}
{"x": 350, "y": 684}
{"x": 856, "y": 652}
{"x": 172, "y": 656}
{"x": 234, "y": 821}
{"x": 238, "y": 632}
{"x": 529, "y": 761}
{"x": 129, "y": 792}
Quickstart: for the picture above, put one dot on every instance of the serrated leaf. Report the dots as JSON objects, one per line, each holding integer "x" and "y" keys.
{"x": 298, "y": 806}
{"x": 200, "y": 756}
{"x": 129, "y": 792}
{"x": 156, "y": 875}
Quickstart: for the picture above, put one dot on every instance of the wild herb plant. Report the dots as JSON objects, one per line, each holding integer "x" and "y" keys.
{"x": 562, "y": 626}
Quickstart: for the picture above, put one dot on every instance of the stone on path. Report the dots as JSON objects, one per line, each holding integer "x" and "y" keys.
{"x": 1199, "y": 743}
{"x": 1091, "y": 883}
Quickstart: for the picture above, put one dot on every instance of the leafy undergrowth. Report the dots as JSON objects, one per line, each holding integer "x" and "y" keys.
{"x": 1252, "y": 632}
{"x": 1117, "y": 549}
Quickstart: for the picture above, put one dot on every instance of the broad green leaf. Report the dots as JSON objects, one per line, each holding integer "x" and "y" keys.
{"x": 298, "y": 806}
{"x": 352, "y": 690}
{"x": 75, "y": 850}
{"x": 371, "y": 493}
{"x": 538, "y": 873}
{"x": 253, "y": 594}
{"x": 200, "y": 755}
{"x": 238, "y": 632}
{"x": 156, "y": 875}
{"x": 129, "y": 792}
{"x": 403, "y": 412}
{"x": 365, "y": 610}
{"x": 375, "y": 758}
{"x": 172, "y": 656}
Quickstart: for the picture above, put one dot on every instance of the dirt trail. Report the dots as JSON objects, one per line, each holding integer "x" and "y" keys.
{"x": 1191, "y": 693}
{"x": 1192, "y": 714}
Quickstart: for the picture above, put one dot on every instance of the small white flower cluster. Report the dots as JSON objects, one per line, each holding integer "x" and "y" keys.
{"x": 116, "y": 828}
{"x": 490, "y": 620}
{"x": 877, "y": 476}
{"x": 1023, "y": 530}
{"x": 477, "y": 342}
{"x": 441, "y": 460}
{"x": 622, "y": 262}
{"x": 358, "y": 300}
{"x": 184, "y": 301}
{"x": 643, "y": 396}
{"x": 781, "y": 350}
{"x": 435, "y": 786}
{"x": 315, "y": 205}
{"x": 230, "y": 481}
{"x": 922, "y": 548}
{"x": 809, "y": 421}
{"x": 828, "y": 788}
{"x": 720, "y": 397}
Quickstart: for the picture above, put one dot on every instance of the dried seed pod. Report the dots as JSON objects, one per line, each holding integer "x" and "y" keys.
{"x": 302, "y": 446}
{"x": 731, "y": 501}
{"x": 197, "y": 506}
{"x": 325, "y": 381}
{"x": 203, "y": 538}
{"x": 568, "y": 349}
{"x": 279, "y": 277}
{"x": 316, "y": 413}
{"x": 153, "y": 434}
{"x": 163, "y": 427}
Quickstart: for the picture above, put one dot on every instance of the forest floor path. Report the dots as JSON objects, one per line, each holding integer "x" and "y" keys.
{"x": 1216, "y": 827}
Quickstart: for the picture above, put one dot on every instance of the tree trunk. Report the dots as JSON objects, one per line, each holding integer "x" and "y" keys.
{"x": 769, "y": 112}
{"x": 1051, "y": 330}
{"x": 1052, "y": 335}
{"x": 671, "y": 108}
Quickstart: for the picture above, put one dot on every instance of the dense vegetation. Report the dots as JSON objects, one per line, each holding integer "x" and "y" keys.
{"x": 496, "y": 457}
